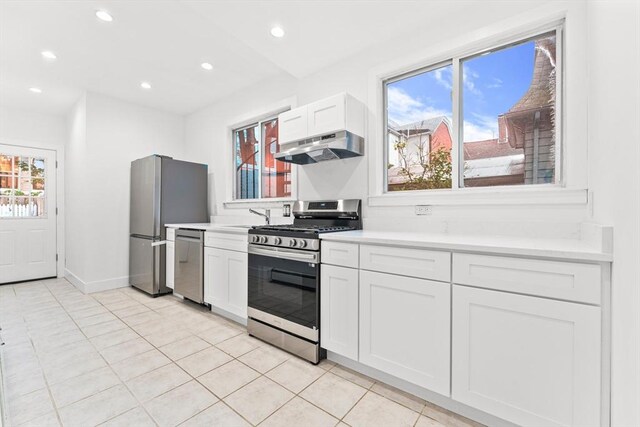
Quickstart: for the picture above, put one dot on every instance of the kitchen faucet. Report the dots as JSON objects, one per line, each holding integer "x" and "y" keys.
{"x": 266, "y": 215}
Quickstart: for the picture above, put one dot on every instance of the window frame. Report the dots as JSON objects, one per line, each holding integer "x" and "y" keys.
{"x": 551, "y": 193}
{"x": 257, "y": 120}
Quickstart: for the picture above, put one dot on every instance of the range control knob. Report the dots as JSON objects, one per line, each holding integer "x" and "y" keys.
{"x": 303, "y": 243}
{"x": 293, "y": 242}
{"x": 277, "y": 241}
{"x": 254, "y": 239}
{"x": 264, "y": 239}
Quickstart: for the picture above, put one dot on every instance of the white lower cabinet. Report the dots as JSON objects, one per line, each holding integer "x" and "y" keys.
{"x": 405, "y": 328}
{"x": 528, "y": 360}
{"x": 170, "y": 266}
{"x": 225, "y": 280}
{"x": 339, "y": 310}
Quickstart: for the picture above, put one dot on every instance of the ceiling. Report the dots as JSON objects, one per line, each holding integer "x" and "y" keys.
{"x": 165, "y": 41}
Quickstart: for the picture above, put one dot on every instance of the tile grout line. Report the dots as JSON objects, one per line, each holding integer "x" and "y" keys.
{"x": 122, "y": 382}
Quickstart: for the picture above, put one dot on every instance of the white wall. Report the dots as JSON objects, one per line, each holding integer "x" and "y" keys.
{"x": 44, "y": 130}
{"x": 614, "y": 153}
{"x": 602, "y": 148}
{"x": 98, "y": 166}
{"x": 31, "y": 129}
{"x": 208, "y": 137}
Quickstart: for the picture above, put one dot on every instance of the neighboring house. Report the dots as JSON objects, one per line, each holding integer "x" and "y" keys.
{"x": 529, "y": 124}
{"x": 491, "y": 162}
{"x": 427, "y": 135}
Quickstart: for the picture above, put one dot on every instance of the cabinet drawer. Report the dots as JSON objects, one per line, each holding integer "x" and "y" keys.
{"x": 435, "y": 265}
{"x": 342, "y": 254}
{"x": 234, "y": 242}
{"x": 171, "y": 234}
{"x": 554, "y": 279}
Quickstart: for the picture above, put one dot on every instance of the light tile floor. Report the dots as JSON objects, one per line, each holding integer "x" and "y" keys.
{"x": 121, "y": 358}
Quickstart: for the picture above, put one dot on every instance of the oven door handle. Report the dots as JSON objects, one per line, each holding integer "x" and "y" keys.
{"x": 313, "y": 257}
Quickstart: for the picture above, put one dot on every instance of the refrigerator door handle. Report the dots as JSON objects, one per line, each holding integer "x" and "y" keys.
{"x": 160, "y": 243}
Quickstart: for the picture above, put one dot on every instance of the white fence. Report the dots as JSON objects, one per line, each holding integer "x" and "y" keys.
{"x": 22, "y": 208}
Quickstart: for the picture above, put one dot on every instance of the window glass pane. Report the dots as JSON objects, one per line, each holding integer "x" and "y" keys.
{"x": 247, "y": 162}
{"x": 276, "y": 175}
{"x": 419, "y": 131}
{"x": 6, "y": 206}
{"x": 37, "y": 167}
{"x": 6, "y": 165}
{"x": 508, "y": 104}
{"x": 7, "y": 183}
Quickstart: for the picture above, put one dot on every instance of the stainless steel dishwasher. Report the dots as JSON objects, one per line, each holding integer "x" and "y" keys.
{"x": 189, "y": 264}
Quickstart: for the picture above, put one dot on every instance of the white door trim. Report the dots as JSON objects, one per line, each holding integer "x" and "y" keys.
{"x": 59, "y": 151}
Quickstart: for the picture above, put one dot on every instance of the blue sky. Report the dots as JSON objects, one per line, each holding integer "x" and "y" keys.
{"x": 492, "y": 84}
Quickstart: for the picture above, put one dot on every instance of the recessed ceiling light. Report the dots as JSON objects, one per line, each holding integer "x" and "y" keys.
{"x": 104, "y": 16}
{"x": 47, "y": 54}
{"x": 35, "y": 89}
{"x": 207, "y": 66}
{"x": 277, "y": 32}
{"x": 145, "y": 85}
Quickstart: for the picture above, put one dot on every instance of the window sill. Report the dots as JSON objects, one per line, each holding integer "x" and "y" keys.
{"x": 258, "y": 203}
{"x": 482, "y": 196}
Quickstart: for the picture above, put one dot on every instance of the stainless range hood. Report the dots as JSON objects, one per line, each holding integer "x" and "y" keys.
{"x": 337, "y": 145}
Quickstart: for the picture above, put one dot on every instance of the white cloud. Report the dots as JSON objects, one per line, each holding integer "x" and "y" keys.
{"x": 468, "y": 78}
{"x": 474, "y": 132}
{"x": 443, "y": 77}
{"x": 496, "y": 83}
{"x": 404, "y": 109}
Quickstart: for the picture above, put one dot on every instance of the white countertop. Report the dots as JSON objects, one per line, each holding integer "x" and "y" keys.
{"x": 206, "y": 226}
{"x": 572, "y": 249}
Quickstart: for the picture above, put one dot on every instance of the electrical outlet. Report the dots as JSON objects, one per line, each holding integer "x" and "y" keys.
{"x": 424, "y": 210}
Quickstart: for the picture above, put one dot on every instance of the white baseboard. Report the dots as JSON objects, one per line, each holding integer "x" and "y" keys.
{"x": 428, "y": 395}
{"x": 98, "y": 285}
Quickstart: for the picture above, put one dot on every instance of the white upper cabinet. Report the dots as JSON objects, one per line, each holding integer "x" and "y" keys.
{"x": 336, "y": 113}
{"x": 528, "y": 360}
{"x": 327, "y": 115}
{"x": 292, "y": 125}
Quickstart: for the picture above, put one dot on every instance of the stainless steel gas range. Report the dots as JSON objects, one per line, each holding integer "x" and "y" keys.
{"x": 284, "y": 275}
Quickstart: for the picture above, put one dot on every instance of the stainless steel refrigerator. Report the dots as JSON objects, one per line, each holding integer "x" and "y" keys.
{"x": 163, "y": 191}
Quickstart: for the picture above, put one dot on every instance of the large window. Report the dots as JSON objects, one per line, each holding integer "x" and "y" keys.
{"x": 22, "y": 186}
{"x": 497, "y": 107}
{"x": 258, "y": 175}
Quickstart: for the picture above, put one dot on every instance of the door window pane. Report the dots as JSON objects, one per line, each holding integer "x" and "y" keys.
{"x": 247, "y": 162}
{"x": 509, "y": 120}
{"x": 22, "y": 187}
{"x": 276, "y": 175}
{"x": 418, "y": 111}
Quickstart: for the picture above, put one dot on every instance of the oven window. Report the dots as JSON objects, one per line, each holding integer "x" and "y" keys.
{"x": 284, "y": 288}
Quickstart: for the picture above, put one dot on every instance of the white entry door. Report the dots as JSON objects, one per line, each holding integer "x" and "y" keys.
{"x": 27, "y": 213}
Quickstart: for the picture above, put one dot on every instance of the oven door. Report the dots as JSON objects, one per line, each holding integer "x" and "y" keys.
{"x": 284, "y": 289}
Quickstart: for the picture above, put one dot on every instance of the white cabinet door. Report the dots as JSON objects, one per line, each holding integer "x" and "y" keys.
{"x": 529, "y": 360}
{"x": 292, "y": 125}
{"x": 237, "y": 282}
{"x": 225, "y": 280}
{"x": 339, "y": 310}
{"x": 405, "y": 328}
{"x": 327, "y": 115}
{"x": 214, "y": 276}
{"x": 170, "y": 260}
